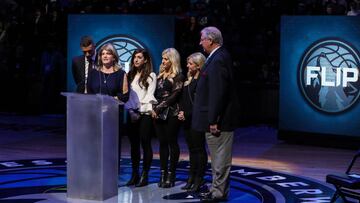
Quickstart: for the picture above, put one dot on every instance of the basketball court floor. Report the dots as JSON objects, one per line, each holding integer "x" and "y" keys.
{"x": 33, "y": 166}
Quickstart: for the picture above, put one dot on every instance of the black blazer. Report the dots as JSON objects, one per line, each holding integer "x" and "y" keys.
{"x": 78, "y": 71}
{"x": 216, "y": 98}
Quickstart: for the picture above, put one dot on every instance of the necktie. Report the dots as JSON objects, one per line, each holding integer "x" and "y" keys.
{"x": 87, "y": 69}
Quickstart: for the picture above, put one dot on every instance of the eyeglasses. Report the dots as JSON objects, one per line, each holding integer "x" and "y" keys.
{"x": 203, "y": 39}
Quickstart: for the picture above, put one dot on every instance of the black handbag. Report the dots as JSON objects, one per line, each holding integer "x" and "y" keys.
{"x": 164, "y": 114}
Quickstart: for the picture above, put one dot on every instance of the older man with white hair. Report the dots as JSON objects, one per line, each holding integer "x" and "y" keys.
{"x": 214, "y": 111}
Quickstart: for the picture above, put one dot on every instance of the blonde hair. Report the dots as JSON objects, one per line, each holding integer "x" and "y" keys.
{"x": 110, "y": 48}
{"x": 174, "y": 57}
{"x": 198, "y": 59}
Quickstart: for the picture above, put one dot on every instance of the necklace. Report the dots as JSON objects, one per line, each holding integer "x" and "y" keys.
{"x": 106, "y": 77}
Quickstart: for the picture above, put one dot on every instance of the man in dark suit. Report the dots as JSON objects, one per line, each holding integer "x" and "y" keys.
{"x": 214, "y": 111}
{"x": 81, "y": 65}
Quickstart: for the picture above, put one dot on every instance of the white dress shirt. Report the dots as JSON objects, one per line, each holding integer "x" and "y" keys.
{"x": 87, "y": 68}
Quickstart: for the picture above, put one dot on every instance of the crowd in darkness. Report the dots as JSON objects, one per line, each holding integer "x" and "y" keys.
{"x": 33, "y": 38}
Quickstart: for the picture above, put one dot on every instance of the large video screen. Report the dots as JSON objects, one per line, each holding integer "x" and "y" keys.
{"x": 319, "y": 75}
{"x": 127, "y": 32}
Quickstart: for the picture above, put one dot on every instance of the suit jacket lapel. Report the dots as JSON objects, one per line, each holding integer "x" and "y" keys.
{"x": 208, "y": 60}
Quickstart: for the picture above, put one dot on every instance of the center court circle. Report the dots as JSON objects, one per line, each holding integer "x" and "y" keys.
{"x": 25, "y": 181}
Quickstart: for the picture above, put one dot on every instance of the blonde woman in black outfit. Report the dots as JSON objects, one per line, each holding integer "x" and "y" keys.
{"x": 194, "y": 139}
{"x": 168, "y": 91}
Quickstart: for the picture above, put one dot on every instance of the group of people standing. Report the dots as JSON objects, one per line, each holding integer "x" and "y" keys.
{"x": 202, "y": 103}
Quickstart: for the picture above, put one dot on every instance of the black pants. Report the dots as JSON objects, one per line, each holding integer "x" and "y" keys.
{"x": 197, "y": 150}
{"x": 167, "y": 132}
{"x": 140, "y": 133}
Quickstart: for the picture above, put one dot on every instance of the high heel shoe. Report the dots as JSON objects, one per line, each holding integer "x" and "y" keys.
{"x": 170, "y": 180}
{"x": 198, "y": 183}
{"x": 189, "y": 183}
{"x": 134, "y": 179}
{"x": 162, "y": 181}
{"x": 143, "y": 179}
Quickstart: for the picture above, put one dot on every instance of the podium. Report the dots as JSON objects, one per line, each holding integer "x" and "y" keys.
{"x": 92, "y": 134}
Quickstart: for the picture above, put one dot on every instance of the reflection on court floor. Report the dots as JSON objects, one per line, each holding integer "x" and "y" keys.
{"x": 28, "y": 181}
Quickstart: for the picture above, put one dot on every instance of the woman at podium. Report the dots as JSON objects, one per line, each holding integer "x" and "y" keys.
{"x": 142, "y": 81}
{"x": 108, "y": 78}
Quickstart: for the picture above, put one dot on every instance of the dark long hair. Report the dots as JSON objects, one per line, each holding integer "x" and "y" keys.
{"x": 145, "y": 70}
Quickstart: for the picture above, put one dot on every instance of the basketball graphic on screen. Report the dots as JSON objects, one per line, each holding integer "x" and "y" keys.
{"x": 329, "y": 75}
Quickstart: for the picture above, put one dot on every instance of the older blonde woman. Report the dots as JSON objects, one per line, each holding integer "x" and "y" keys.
{"x": 168, "y": 91}
{"x": 194, "y": 139}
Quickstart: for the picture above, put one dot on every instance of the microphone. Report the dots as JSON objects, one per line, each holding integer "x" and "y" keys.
{"x": 100, "y": 83}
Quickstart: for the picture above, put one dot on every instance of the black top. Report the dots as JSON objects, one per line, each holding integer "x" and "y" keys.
{"x": 187, "y": 98}
{"x": 108, "y": 84}
{"x": 168, "y": 93}
{"x": 187, "y": 101}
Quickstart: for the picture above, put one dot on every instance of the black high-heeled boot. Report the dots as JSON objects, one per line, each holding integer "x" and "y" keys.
{"x": 170, "y": 180}
{"x": 189, "y": 182}
{"x": 143, "y": 179}
{"x": 134, "y": 179}
{"x": 162, "y": 181}
{"x": 198, "y": 183}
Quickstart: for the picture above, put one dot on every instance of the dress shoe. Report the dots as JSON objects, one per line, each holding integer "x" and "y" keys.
{"x": 134, "y": 179}
{"x": 143, "y": 179}
{"x": 204, "y": 194}
{"x": 210, "y": 198}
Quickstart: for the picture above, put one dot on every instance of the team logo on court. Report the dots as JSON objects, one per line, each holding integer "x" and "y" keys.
{"x": 329, "y": 75}
{"x": 30, "y": 181}
{"x": 125, "y": 46}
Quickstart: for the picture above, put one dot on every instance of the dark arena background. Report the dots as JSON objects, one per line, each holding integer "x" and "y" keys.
{"x": 297, "y": 72}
